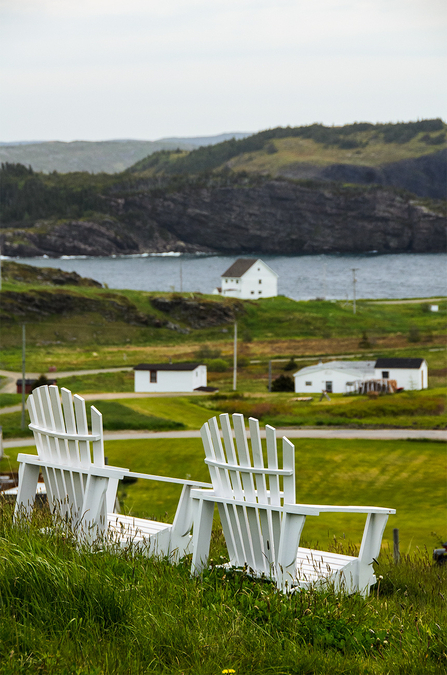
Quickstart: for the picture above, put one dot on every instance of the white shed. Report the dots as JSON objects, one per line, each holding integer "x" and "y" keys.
{"x": 332, "y": 376}
{"x": 340, "y": 377}
{"x": 248, "y": 279}
{"x": 167, "y": 377}
{"x": 408, "y": 373}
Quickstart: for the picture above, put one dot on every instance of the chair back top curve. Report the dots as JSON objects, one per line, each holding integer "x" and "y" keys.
{"x": 61, "y": 430}
{"x": 241, "y": 471}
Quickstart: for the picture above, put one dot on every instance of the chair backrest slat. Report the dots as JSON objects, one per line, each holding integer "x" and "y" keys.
{"x": 59, "y": 424}
{"x": 70, "y": 424}
{"x": 82, "y": 427}
{"x": 231, "y": 457}
{"x": 244, "y": 457}
{"x": 219, "y": 455}
{"x": 272, "y": 455}
{"x": 288, "y": 454}
{"x": 98, "y": 446}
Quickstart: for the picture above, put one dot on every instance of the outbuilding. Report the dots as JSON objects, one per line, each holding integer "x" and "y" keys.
{"x": 248, "y": 279}
{"x": 340, "y": 377}
{"x": 167, "y": 377}
{"x": 333, "y": 376}
{"x": 408, "y": 373}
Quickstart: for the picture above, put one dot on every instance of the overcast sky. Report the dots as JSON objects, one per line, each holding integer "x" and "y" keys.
{"x": 104, "y": 69}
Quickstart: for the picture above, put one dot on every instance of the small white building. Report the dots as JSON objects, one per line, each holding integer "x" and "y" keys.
{"x": 333, "y": 376}
{"x": 248, "y": 279}
{"x": 167, "y": 377}
{"x": 339, "y": 377}
{"x": 408, "y": 373}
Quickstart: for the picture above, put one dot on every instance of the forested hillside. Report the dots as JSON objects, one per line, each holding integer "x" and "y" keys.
{"x": 243, "y": 196}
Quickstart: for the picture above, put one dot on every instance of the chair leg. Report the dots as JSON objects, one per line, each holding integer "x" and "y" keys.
{"x": 28, "y": 478}
{"x": 201, "y": 538}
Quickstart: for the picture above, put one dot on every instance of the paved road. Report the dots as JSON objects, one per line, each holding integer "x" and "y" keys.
{"x": 363, "y": 434}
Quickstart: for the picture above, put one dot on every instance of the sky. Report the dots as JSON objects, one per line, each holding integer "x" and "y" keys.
{"x": 145, "y": 69}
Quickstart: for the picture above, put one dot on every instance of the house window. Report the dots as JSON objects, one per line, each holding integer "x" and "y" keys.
{"x": 260, "y": 281}
{"x": 308, "y": 384}
{"x": 385, "y": 374}
{"x": 237, "y": 281}
{"x": 260, "y": 292}
{"x": 252, "y": 292}
{"x": 329, "y": 387}
{"x": 153, "y": 376}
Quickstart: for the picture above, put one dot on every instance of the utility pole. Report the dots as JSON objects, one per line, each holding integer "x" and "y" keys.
{"x": 235, "y": 357}
{"x": 23, "y": 376}
{"x": 354, "y": 270}
{"x": 181, "y": 277}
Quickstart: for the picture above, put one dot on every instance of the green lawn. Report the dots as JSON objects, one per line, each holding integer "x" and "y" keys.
{"x": 408, "y": 476}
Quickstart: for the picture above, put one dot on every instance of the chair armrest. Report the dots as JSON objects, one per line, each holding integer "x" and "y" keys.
{"x": 325, "y": 508}
{"x": 294, "y": 509}
{"x": 100, "y": 471}
{"x": 168, "y": 479}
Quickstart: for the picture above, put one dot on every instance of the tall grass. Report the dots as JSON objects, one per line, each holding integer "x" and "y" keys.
{"x": 65, "y": 609}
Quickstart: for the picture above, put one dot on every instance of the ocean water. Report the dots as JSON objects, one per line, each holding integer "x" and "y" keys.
{"x": 393, "y": 276}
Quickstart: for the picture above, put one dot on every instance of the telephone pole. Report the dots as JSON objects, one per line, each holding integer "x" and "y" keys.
{"x": 354, "y": 270}
{"x": 235, "y": 357}
{"x": 23, "y": 376}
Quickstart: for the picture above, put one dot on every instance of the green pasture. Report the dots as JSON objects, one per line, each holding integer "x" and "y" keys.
{"x": 413, "y": 409}
{"x": 90, "y": 340}
{"x": 188, "y": 411}
{"x": 410, "y": 476}
{"x": 116, "y": 417}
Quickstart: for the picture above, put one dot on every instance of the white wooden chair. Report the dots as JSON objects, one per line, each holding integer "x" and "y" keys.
{"x": 81, "y": 489}
{"x": 261, "y": 521}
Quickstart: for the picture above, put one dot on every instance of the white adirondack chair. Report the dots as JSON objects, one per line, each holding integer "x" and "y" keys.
{"x": 81, "y": 488}
{"x": 261, "y": 521}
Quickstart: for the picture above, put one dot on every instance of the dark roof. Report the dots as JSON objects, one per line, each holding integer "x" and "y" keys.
{"x": 399, "y": 363}
{"x": 239, "y": 267}
{"x": 167, "y": 366}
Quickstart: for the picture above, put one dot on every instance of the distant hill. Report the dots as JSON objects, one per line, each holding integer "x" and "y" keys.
{"x": 408, "y": 155}
{"x": 96, "y": 157}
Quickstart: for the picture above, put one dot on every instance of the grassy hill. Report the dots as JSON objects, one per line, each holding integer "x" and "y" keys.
{"x": 74, "y": 326}
{"x": 273, "y": 150}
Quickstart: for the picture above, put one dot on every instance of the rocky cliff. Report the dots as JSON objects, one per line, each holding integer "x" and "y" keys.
{"x": 268, "y": 216}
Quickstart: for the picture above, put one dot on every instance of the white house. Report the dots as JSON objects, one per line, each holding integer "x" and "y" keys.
{"x": 341, "y": 376}
{"x": 333, "y": 376}
{"x": 248, "y": 279}
{"x": 408, "y": 373}
{"x": 175, "y": 377}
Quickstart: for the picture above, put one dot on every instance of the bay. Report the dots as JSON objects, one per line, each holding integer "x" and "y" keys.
{"x": 390, "y": 276}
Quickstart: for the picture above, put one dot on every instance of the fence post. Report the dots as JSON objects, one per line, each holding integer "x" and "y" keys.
{"x": 396, "y": 553}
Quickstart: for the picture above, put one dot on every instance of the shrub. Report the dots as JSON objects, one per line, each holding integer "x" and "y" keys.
{"x": 206, "y": 352}
{"x": 414, "y": 334}
{"x": 291, "y": 365}
{"x": 283, "y": 383}
{"x": 364, "y": 342}
{"x": 217, "y": 365}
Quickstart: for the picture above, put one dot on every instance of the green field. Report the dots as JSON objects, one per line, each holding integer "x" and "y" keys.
{"x": 408, "y": 476}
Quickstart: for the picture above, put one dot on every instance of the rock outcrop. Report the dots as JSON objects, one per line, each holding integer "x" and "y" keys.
{"x": 275, "y": 216}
